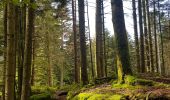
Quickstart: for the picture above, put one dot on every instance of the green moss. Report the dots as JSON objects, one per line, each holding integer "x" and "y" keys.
{"x": 122, "y": 86}
{"x": 43, "y": 96}
{"x": 81, "y": 96}
{"x": 98, "y": 97}
{"x": 119, "y": 71}
{"x": 116, "y": 97}
{"x": 130, "y": 80}
{"x": 94, "y": 96}
{"x": 84, "y": 96}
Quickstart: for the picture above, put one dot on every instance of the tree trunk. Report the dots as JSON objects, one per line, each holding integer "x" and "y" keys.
{"x": 33, "y": 62}
{"x": 142, "y": 55}
{"x": 21, "y": 41}
{"x": 162, "y": 44}
{"x": 150, "y": 37}
{"x": 155, "y": 36}
{"x": 136, "y": 35}
{"x": 146, "y": 36}
{"x": 28, "y": 55}
{"x": 104, "y": 42}
{"x": 84, "y": 75}
{"x": 76, "y": 69}
{"x": 5, "y": 50}
{"x": 17, "y": 32}
{"x": 10, "y": 62}
{"x": 123, "y": 58}
{"x": 99, "y": 39}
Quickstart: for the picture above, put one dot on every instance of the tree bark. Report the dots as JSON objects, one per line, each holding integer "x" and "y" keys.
{"x": 142, "y": 55}
{"x": 26, "y": 85}
{"x": 21, "y": 41}
{"x": 76, "y": 69}
{"x": 33, "y": 62}
{"x": 162, "y": 44}
{"x": 123, "y": 58}
{"x": 136, "y": 35}
{"x": 155, "y": 36}
{"x": 150, "y": 37}
{"x": 146, "y": 35}
{"x": 10, "y": 67}
{"x": 5, "y": 50}
{"x": 84, "y": 75}
{"x": 104, "y": 41}
{"x": 99, "y": 40}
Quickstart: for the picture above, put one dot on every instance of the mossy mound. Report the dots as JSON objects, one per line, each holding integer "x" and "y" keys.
{"x": 93, "y": 96}
{"x": 131, "y": 89}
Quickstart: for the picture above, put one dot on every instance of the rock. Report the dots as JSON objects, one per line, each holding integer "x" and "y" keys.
{"x": 60, "y": 95}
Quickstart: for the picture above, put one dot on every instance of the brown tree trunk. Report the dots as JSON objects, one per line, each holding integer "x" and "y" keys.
{"x": 150, "y": 37}
{"x": 28, "y": 55}
{"x": 155, "y": 36}
{"x": 84, "y": 75}
{"x": 10, "y": 62}
{"x": 76, "y": 69}
{"x": 17, "y": 33}
{"x": 136, "y": 35}
{"x": 5, "y": 50}
{"x": 33, "y": 62}
{"x": 123, "y": 58}
{"x": 104, "y": 41}
{"x": 99, "y": 40}
{"x": 142, "y": 55}
{"x": 21, "y": 41}
{"x": 162, "y": 44}
{"x": 146, "y": 35}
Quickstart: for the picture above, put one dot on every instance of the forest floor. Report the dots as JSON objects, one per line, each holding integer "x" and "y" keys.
{"x": 146, "y": 87}
{"x": 149, "y": 88}
{"x": 107, "y": 92}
